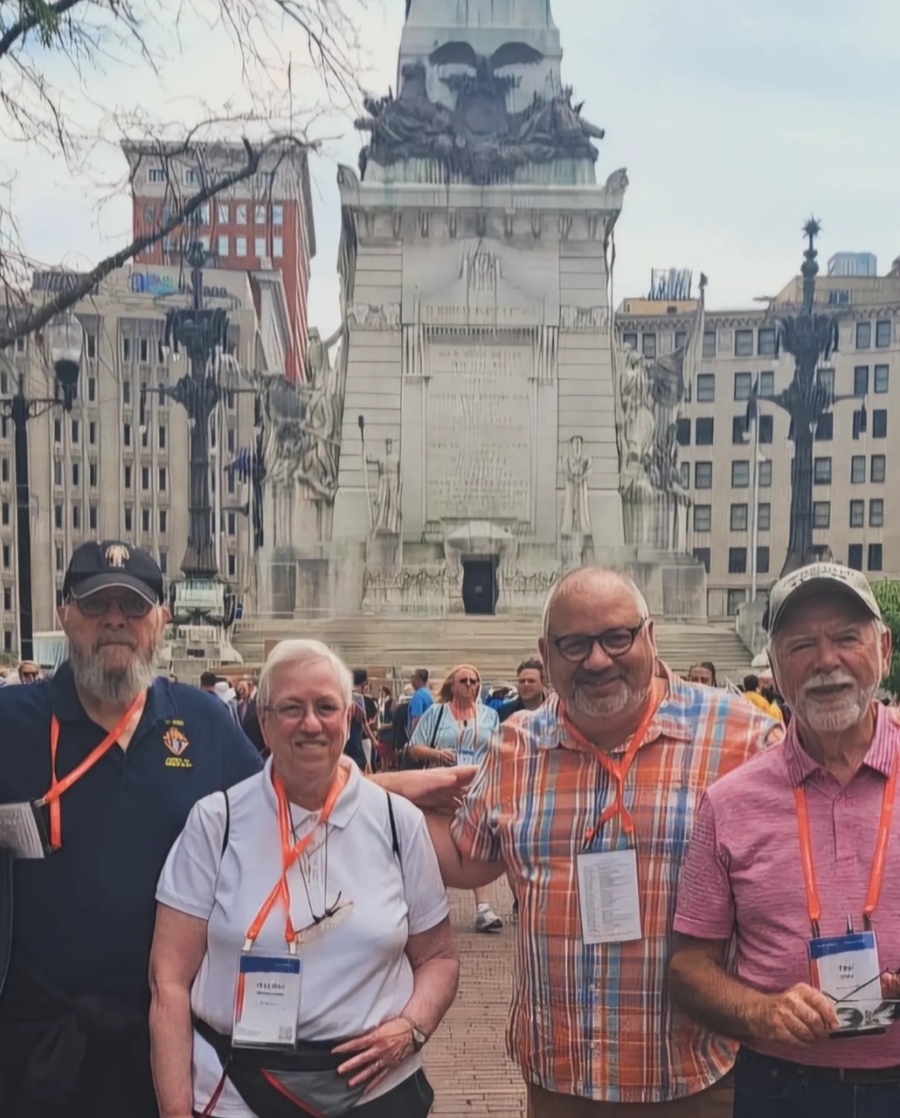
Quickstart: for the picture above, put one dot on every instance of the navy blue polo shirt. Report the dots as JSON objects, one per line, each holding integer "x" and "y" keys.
{"x": 83, "y": 917}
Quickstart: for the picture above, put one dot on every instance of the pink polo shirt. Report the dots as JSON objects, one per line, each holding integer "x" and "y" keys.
{"x": 743, "y": 876}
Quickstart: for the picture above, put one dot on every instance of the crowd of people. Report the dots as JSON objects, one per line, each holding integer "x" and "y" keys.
{"x": 231, "y": 901}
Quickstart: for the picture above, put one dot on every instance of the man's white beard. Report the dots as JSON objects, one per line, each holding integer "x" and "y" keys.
{"x": 824, "y": 718}
{"x": 622, "y": 698}
{"x": 119, "y": 685}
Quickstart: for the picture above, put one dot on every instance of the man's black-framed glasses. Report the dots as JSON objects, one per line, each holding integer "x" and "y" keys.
{"x": 576, "y": 647}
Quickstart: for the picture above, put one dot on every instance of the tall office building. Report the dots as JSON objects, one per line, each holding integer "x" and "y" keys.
{"x": 263, "y": 223}
{"x": 116, "y": 466}
{"x": 856, "y": 510}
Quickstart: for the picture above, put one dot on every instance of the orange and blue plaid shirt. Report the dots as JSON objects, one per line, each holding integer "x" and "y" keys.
{"x": 597, "y": 1021}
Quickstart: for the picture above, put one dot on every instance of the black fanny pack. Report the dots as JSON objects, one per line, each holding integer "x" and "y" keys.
{"x": 288, "y": 1083}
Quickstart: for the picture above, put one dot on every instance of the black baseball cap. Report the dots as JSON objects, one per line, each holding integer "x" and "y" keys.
{"x": 96, "y": 566}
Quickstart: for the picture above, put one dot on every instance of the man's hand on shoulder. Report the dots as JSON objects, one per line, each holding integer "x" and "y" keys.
{"x": 438, "y": 790}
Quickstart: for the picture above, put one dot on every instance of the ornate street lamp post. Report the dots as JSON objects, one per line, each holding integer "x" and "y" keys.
{"x": 64, "y": 340}
{"x": 809, "y": 337}
{"x": 202, "y": 333}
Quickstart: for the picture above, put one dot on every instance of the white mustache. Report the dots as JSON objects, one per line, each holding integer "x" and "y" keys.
{"x": 835, "y": 679}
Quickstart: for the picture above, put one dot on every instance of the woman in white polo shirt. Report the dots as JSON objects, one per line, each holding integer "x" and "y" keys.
{"x": 303, "y": 940}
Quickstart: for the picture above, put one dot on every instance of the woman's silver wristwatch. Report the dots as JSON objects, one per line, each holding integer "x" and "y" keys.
{"x": 419, "y": 1038}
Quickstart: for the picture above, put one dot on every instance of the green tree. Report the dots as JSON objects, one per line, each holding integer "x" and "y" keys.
{"x": 887, "y": 594}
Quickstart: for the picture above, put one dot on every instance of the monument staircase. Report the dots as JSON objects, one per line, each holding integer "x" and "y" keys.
{"x": 390, "y": 647}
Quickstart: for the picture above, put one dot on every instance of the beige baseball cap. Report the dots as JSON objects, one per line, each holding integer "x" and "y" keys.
{"x": 818, "y": 578}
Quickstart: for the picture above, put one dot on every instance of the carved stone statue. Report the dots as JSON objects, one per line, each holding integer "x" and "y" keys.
{"x": 637, "y": 424}
{"x": 319, "y": 461}
{"x": 284, "y": 414}
{"x": 576, "y": 518}
{"x": 388, "y": 494}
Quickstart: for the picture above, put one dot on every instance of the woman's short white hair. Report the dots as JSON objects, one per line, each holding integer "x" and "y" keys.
{"x": 303, "y": 652}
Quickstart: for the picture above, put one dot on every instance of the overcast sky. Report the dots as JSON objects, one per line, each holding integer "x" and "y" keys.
{"x": 736, "y": 120}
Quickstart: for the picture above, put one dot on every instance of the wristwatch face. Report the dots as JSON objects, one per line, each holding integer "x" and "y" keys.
{"x": 419, "y": 1039}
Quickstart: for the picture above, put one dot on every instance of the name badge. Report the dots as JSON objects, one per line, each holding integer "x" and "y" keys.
{"x": 267, "y": 1002}
{"x": 608, "y": 896}
{"x": 466, "y": 757}
{"x": 846, "y": 969}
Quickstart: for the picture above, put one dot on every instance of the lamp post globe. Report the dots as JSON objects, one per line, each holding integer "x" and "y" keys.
{"x": 64, "y": 338}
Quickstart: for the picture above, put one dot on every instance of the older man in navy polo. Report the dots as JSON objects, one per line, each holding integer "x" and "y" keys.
{"x": 73, "y": 1013}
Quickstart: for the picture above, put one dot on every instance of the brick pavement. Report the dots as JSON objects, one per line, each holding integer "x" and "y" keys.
{"x": 465, "y": 1060}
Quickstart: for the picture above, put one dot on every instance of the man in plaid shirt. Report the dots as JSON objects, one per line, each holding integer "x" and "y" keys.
{"x": 615, "y": 761}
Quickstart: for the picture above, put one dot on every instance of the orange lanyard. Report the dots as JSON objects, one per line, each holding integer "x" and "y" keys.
{"x": 619, "y": 773}
{"x": 290, "y": 854}
{"x": 57, "y": 787}
{"x": 876, "y": 876}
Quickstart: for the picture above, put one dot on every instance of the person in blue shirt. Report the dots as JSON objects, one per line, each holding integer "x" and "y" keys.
{"x": 421, "y": 700}
{"x": 74, "y": 1028}
{"x": 458, "y": 731}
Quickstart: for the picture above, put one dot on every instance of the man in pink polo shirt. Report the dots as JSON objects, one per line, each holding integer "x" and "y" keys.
{"x": 795, "y": 857}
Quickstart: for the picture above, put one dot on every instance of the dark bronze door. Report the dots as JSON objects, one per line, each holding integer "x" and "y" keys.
{"x": 479, "y": 589}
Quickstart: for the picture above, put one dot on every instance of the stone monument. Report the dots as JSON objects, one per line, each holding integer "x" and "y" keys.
{"x": 478, "y": 344}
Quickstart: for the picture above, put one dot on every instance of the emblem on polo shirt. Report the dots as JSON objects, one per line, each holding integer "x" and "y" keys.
{"x": 176, "y": 742}
{"x": 117, "y": 555}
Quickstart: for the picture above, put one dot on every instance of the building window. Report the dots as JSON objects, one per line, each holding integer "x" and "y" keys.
{"x": 860, "y": 380}
{"x": 76, "y": 474}
{"x": 222, "y": 211}
{"x": 126, "y": 391}
{"x": 259, "y": 215}
{"x": 739, "y": 429}
{"x": 767, "y": 385}
{"x": 702, "y": 518}
{"x": 163, "y": 521}
{"x": 4, "y": 513}
{"x": 684, "y": 475}
{"x": 629, "y": 341}
{"x": 58, "y": 517}
{"x": 7, "y": 598}
{"x": 128, "y": 477}
{"x": 92, "y": 433}
{"x": 743, "y": 343}
{"x": 855, "y": 556}
{"x": 57, "y": 472}
{"x": 703, "y": 434}
{"x": 58, "y": 556}
{"x": 240, "y": 214}
{"x": 882, "y": 378}
{"x": 129, "y": 519}
{"x": 92, "y": 518}
{"x": 232, "y": 524}
{"x": 739, "y": 518}
{"x": 879, "y": 423}
{"x": 4, "y": 469}
{"x": 682, "y": 435}
{"x": 858, "y": 469}
{"x": 230, "y": 483}
{"x": 223, "y": 244}
{"x": 737, "y": 560}
{"x": 648, "y": 345}
{"x": 706, "y": 388}
{"x": 821, "y": 514}
{"x": 277, "y": 214}
{"x": 765, "y": 474}
{"x": 162, "y": 437}
{"x": 709, "y": 343}
{"x": 766, "y": 428}
{"x": 743, "y": 385}
{"x": 876, "y": 513}
{"x": 145, "y": 520}
{"x": 857, "y": 514}
{"x": 126, "y": 349}
{"x": 680, "y": 339}
{"x": 240, "y": 246}
{"x": 57, "y": 430}
{"x": 879, "y": 468}
{"x": 278, "y": 247}
{"x": 766, "y": 337}
{"x": 126, "y": 434}
{"x": 93, "y": 475}
{"x": 762, "y": 560}
{"x": 145, "y": 478}
{"x": 6, "y": 557}
{"x": 864, "y": 335}
{"x": 764, "y": 517}
{"x": 164, "y": 561}
{"x": 91, "y": 345}
{"x": 76, "y": 431}
{"x": 76, "y": 518}
{"x": 701, "y": 554}
{"x": 703, "y": 475}
{"x": 740, "y": 474}
{"x": 145, "y": 436}
{"x": 92, "y": 390}
{"x": 875, "y": 559}
{"x": 825, "y": 428}
{"x": 163, "y": 479}
{"x": 883, "y": 334}
{"x": 157, "y": 174}
{"x": 822, "y": 471}
{"x": 144, "y": 350}
{"x": 825, "y": 378}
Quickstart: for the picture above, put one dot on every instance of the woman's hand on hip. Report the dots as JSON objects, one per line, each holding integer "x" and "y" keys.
{"x": 376, "y": 1053}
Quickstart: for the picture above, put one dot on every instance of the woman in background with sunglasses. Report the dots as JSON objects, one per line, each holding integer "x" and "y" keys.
{"x": 458, "y": 730}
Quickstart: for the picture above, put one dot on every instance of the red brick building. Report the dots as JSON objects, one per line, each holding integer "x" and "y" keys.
{"x": 262, "y": 224}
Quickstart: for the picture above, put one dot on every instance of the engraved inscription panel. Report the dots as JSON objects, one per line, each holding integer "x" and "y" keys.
{"x": 479, "y": 416}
